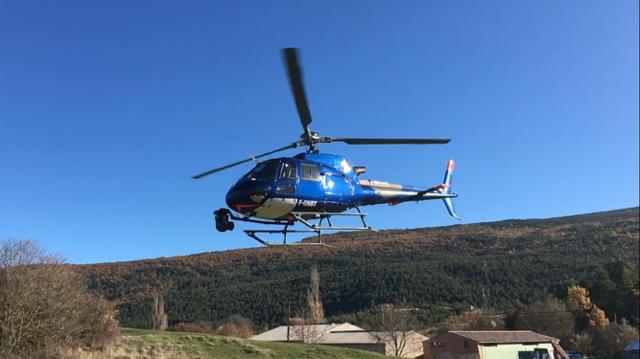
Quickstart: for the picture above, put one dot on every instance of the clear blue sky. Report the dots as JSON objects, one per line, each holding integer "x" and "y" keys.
{"x": 108, "y": 108}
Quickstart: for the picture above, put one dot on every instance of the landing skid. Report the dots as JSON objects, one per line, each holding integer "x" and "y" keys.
{"x": 305, "y": 218}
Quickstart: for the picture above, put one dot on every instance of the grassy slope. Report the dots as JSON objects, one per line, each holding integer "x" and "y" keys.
{"x": 138, "y": 343}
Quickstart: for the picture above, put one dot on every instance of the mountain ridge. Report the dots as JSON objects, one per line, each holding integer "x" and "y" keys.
{"x": 393, "y": 230}
{"x": 516, "y": 261}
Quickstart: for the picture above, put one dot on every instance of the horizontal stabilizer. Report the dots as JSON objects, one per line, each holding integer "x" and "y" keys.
{"x": 449, "y": 205}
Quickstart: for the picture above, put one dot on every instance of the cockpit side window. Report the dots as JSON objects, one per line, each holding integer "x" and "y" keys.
{"x": 289, "y": 171}
{"x": 265, "y": 171}
{"x": 310, "y": 172}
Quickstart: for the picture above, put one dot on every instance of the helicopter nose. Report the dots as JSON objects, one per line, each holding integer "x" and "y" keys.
{"x": 247, "y": 197}
{"x": 239, "y": 202}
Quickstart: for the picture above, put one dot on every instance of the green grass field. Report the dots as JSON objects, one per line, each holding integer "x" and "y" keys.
{"x": 137, "y": 343}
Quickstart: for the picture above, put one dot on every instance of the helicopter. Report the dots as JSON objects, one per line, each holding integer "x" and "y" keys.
{"x": 311, "y": 186}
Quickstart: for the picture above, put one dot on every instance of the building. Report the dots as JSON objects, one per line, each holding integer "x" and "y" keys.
{"x": 347, "y": 336}
{"x": 508, "y": 344}
{"x": 310, "y": 333}
{"x": 406, "y": 345}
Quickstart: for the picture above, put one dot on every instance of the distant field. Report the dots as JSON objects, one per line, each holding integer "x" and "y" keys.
{"x": 138, "y": 344}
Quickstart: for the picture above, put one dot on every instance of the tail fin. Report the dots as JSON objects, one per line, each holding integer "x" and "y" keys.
{"x": 446, "y": 188}
{"x": 447, "y": 176}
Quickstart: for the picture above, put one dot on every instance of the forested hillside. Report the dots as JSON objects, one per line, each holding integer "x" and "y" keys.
{"x": 440, "y": 270}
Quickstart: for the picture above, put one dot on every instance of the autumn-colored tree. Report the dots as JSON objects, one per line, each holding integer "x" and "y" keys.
{"x": 579, "y": 297}
{"x": 597, "y": 318}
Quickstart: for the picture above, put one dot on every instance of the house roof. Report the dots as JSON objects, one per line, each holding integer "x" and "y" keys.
{"x": 360, "y": 337}
{"x": 349, "y": 338}
{"x": 504, "y": 336}
{"x": 344, "y": 333}
{"x": 279, "y": 334}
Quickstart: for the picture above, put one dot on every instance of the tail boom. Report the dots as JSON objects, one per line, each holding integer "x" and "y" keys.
{"x": 377, "y": 192}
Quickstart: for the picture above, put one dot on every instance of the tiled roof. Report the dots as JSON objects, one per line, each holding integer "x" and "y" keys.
{"x": 504, "y": 336}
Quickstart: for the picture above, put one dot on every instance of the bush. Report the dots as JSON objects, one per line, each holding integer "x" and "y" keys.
{"x": 609, "y": 341}
{"x": 45, "y": 306}
{"x": 236, "y": 326}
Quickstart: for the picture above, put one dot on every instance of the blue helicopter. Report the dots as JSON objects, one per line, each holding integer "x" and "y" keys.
{"x": 314, "y": 186}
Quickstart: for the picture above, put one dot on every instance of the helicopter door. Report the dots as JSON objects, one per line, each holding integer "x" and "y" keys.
{"x": 287, "y": 181}
{"x": 310, "y": 191}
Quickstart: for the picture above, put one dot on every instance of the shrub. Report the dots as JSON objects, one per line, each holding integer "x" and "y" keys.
{"x": 236, "y": 326}
{"x": 548, "y": 316}
{"x": 44, "y": 304}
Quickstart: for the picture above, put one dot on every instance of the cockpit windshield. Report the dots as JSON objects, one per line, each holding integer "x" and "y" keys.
{"x": 265, "y": 171}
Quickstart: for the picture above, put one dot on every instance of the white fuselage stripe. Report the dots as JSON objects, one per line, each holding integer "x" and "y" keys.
{"x": 276, "y": 207}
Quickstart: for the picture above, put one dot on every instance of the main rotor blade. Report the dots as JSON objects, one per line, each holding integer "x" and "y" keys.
{"x": 294, "y": 71}
{"x": 203, "y": 174}
{"x": 390, "y": 141}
